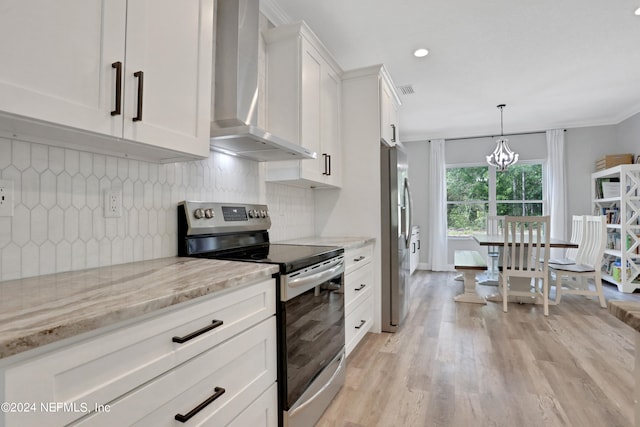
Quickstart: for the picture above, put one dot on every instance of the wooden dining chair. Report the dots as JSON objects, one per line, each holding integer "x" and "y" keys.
{"x": 526, "y": 240}
{"x": 587, "y": 266}
{"x": 577, "y": 231}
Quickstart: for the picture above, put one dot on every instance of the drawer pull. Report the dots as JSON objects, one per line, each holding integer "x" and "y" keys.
{"x": 218, "y": 391}
{"x": 362, "y": 322}
{"x": 140, "y": 76}
{"x": 214, "y": 324}
{"x": 361, "y": 287}
{"x": 118, "y": 67}
{"x": 360, "y": 258}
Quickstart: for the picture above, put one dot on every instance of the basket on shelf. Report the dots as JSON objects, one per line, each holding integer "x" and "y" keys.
{"x": 612, "y": 160}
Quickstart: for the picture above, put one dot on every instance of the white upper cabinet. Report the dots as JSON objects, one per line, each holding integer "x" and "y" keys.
{"x": 331, "y": 158}
{"x": 57, "y": 61}
{"x": 171, "y": 44}
{"x": 389, "y": 105}
{"x": 89, "y": 65}
{"x": 303, "y": 105}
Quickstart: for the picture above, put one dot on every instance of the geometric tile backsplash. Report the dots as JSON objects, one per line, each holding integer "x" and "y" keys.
{"x": 58, "y": 223}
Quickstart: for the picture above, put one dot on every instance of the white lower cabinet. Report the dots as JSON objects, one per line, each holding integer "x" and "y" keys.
{"x": 227, "y": 376}
{"x": 358, "y": 322}
{"x": 146, "y": 372}
{"x": 414, "y": 255}
{"x": 358, "y": 295}
{"x": 260, "y": 413}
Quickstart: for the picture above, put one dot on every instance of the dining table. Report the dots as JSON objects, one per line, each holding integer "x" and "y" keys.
{"x": 517, "y": 284}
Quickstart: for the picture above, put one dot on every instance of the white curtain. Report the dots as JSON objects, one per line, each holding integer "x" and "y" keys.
{"x": 556, "y": 190}
{"x": 437, "y": 232}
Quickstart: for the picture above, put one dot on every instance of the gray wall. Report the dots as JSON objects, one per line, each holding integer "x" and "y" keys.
{"x": 583, "y": 147}
{"x": 628, "y": 137}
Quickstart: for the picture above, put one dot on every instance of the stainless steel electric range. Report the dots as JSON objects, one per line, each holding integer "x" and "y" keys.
{"x": 310, "y": 315}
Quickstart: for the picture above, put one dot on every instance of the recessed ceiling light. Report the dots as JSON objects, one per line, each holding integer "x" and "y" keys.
{"x": 420, "y": 53}
{"x": 638, "y": 11}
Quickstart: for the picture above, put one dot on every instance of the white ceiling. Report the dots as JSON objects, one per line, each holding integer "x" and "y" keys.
{"x": 555, "y": 63}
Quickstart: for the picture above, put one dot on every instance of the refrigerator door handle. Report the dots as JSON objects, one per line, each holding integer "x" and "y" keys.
{"x": 407, "y": 214}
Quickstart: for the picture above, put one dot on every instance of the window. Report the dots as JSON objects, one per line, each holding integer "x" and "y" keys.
{"x": 473, "y": 192}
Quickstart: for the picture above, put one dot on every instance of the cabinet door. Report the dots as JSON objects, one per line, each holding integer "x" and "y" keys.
{"x": 171, "y": 44}
{"x": 330, "y": 132}
{"x": 57, "y": 58}
{"x": 414, "y": 257}
{"x": 311, "y": 109}
{"x": 388, "y": 116}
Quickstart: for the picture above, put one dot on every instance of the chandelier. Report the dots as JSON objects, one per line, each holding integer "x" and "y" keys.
{"x": 502, "y": 157}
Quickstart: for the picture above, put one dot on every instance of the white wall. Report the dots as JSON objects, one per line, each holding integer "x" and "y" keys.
{"x": 58, "y": 222}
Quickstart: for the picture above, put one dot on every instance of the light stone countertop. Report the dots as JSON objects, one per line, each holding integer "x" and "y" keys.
{"x": 348, "y": 242}
{"x": 627, "y": 311}
{"x": 41, "y": 310}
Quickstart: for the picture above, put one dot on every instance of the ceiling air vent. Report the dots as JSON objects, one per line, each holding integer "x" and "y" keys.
{"x": 406, "y": 90}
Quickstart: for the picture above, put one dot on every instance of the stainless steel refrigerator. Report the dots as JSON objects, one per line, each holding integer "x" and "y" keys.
{"x": 396, "y": 235}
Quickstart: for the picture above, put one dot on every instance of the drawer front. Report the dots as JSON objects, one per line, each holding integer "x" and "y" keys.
{"x": 358, "y": 323}
{"x": 244, "y": 366}
{"x": 261, "y": 413}
{"x": 98, "y": 370}
{"x": 358, "y": 284}
{"x": 358, "y": 257}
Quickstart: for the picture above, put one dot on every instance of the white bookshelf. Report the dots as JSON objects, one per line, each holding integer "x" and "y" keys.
{"x": 623, "y": 233}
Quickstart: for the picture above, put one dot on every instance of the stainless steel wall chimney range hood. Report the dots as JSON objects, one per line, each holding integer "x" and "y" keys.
{"x": 234, "y": 128}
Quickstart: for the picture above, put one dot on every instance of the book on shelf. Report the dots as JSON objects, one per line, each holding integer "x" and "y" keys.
{"x": 600, "y": 181}
{"x": 612, "y": 213}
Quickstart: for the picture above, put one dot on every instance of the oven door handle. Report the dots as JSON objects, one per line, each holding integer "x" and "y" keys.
{"x": 316, "y": 278}
{"x": 300, "y": 283}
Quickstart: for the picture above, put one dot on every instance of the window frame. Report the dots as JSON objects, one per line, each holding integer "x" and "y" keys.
{"x": 492, "y": 201}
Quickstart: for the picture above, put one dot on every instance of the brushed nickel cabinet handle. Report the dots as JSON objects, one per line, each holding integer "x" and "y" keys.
{"x": 393, "y": 138}
{"x": 362, "y": 322}
{"x": 214, "y": 324}
{"x": 118, "y": 66}
{"x": 218, "y": 391}
{"x": 361, "y": 287}
{"x": 140, "y": 76}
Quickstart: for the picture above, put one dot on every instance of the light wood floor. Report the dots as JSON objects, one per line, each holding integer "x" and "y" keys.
{"x": 459, "y": 364}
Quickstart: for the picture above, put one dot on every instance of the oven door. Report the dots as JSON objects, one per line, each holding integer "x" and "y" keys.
{"x": 312, "y": 310}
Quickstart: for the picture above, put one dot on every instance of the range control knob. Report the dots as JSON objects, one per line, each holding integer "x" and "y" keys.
{"x": 208, "y": 213}
{"x": 252, "y": 213}
{"x": 199, "y": 213}
{"x": 263, "y": 213}
{"x": 266, "y": 214}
